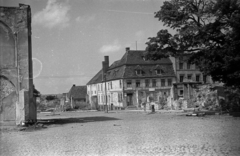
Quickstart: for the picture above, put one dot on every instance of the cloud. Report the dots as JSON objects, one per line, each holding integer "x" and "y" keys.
{"x": 140, "y": 35}
{"x": 85, "y": 19}
{"x": 54, "y": 15}
{"x": 110, "y": 48}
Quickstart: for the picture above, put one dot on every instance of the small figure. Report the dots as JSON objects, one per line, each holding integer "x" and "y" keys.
{"x": 144, "y": 106}
{"x": 144, "y": 103}
{"x": 153, "y": 109}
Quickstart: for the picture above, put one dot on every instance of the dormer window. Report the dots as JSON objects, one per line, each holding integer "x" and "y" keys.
{"x": 159, "y": 71}
{"x": 139, "y": 72}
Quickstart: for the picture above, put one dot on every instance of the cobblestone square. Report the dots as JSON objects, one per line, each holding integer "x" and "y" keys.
{"x": 125, "y": 133}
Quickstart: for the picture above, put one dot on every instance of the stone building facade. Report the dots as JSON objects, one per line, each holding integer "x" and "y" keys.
{"x": 17, "y": 103}
{"x": 131, "y": 81}
{"x": 188, "y": 77}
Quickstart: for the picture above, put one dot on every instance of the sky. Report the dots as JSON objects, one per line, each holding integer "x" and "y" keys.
{"x": 71, "y": 37}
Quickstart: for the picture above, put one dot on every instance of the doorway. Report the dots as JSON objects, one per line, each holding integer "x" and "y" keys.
{"x": 129, "y": 99}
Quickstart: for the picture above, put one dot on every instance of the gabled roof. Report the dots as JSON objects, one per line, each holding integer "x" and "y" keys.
{"x": 77, "y": 92}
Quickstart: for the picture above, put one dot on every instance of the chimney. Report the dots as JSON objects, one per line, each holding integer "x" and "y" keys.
{"x": 74, "y": 85}
{"x": 106, "y": 60}
{"x": 127, "y": 49}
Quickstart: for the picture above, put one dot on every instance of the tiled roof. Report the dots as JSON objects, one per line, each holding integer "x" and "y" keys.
{"x": 135, "y": 57}
{"x": 131, "y": 61}
{"x": 147, "y": 71}
{"x": 116, "y": 73}
{"x": 115, "y": 64}
{"x": 96, "y": 79}
{"x": 78, "y": 92}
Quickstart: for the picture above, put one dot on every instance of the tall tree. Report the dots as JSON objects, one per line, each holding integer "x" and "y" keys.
{"x": 207, "y": 29}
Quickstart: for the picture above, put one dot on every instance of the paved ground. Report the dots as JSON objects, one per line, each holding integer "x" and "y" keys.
{"x": 125, "y": 133}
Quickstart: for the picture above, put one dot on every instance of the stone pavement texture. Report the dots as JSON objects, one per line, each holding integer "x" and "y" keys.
{"x": 127, "y": 134}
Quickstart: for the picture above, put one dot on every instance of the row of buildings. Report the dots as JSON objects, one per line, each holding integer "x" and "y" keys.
{"x": 132, "y": 80}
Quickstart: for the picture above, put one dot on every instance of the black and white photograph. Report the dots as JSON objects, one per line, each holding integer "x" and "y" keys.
{"x": 119, "y": 77}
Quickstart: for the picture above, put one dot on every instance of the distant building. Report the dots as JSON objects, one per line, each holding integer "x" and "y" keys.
{"x": 77, "y": 94}
{"x": 131, "y": 81}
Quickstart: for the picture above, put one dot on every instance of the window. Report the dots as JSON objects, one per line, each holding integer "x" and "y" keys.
{"x": 169, "y": 82}
{"x": 159, "y": 71}
{"x": 198, "y": 77}
{"x": 181, "y": 78}
{"x": 163, "y": 82}
{"x": 188, "y": 66}
{"x": 154, "y": 83}
{"x": 189, "y": 77}
{"x": 147, "y": 83}
{"x": 111, "y": 85}
{"x": 180, "y": 92}
{"x": 120, "y": 97}
{"x": 137, "y": 83}
{"x": 139, "y": 72}
{"x": 180, "y": 65}
{"x": 129, "y": 84}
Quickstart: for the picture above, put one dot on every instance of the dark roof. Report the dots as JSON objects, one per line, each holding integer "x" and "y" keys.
{"x": 77, "y": 92}
{"x": 135, "y": 57}
{"x": 96, "y": 79}
{"x": 130, "y": 62}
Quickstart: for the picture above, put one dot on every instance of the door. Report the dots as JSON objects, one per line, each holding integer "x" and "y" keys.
{"x": 129, "y": 99}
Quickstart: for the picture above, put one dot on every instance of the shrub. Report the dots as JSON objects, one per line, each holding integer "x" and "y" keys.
{"x": 82, "y": 106}
{"x": 232, "y": 99}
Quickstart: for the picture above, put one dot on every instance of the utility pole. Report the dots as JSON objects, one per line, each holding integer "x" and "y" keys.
{"x": 105, "y": 79}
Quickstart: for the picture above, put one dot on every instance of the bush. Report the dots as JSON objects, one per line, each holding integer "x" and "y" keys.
{"x": 191, "y": 103}
{"x": 41, "y": 106}
{"x": 82, "y": 106}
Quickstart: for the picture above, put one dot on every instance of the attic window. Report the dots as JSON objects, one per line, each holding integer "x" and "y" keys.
{"x": 159, "y": 71}
{"x": 139, "y": 72}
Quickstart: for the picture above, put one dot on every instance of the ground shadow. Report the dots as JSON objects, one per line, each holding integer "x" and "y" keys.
{"x": 62, "y": 121}
{"x": 44, "y": 123}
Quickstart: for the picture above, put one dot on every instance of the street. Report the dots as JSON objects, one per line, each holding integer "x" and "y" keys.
{"x": 125, "y": 133}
